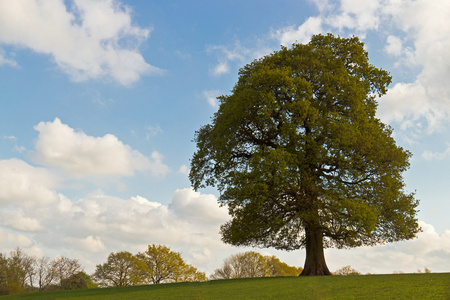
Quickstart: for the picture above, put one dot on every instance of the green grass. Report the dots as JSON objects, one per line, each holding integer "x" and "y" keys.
{"x": 398, "y": 286}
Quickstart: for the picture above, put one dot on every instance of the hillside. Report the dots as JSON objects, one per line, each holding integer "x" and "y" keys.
{"x": 398, "y": 286}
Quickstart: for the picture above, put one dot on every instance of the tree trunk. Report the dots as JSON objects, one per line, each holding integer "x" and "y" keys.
{"x": 315, "y": 264}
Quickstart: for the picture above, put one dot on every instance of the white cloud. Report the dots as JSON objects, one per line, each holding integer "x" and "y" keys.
{"x": 430, "y": 249}
{"x": 9, "y": 241}
{"x": 421, "y": 41}
{"x": 393, "y": 46}
{"x": 89, "y": 39}
{"x": 195, "y": 208}
{"x": 211, "y": 97}
{"x": 429, "y": 155}
{"x": 227, "y": 55}
{"x": 236, "y": 53}
{"x": 99, "y": 224}
{"x": 184, "y": 170}
{"x": 7, "y": 61}
{"x": 92, "y": 244}
{"x": 15, "y": 219}
{"x": 357, "y": 15}
{"x": 78, "y": 154}
{"x": 22, "y": 184}
{"x": 289, "y": 35}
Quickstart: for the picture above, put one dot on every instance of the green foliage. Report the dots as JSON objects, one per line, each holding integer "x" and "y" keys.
{"x": 296, "y": 150}
{"x": 120, "y": 269}
{"x": 347, "y": 270}
{"x": 406, "y": 286}
{"x": 252, "y": 264}
{"x": 78, "y": 281}
{"x": 163, "y": 265}
{"x": 279, "y": 268}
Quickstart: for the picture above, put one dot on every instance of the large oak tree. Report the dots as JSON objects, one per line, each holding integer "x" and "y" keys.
{"x": 300, "y": 158}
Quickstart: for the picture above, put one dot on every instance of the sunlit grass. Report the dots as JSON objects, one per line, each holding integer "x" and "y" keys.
{"x": 395, "y": 286}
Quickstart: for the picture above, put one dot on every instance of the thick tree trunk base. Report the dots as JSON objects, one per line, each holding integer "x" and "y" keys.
{"x": 317, "y": 271}
{"x": 315, "y": 264}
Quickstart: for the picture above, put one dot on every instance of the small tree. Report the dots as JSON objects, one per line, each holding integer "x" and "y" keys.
{"x": 279, "y": 268}
{"x": 4, "y": 290}
{"x": 25, "y": 265}
{"x": 163, "y": 265}
{"x": 78, "y": 281}
{"x": 252, "y": 264}
{"x": 46, "y": 273}
{"x": 347, "y": 270}
{"x": 120, "y": 269}
{"x": 65, "y": 267}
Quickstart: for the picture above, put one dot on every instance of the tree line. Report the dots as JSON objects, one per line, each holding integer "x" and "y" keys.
{"x": 22, "y": 273}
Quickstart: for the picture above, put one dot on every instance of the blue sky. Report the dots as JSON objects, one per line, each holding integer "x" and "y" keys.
{"x": 85, "y": 83}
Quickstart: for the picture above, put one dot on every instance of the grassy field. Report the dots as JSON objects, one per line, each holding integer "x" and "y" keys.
{"x": 399, "y": 286}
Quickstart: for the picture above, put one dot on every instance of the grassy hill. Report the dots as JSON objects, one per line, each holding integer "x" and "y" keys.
{"x": 398, "y": 286}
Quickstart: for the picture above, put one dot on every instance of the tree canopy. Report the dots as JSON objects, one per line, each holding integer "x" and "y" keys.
{"x": 300, "y": 158}
{"x": 163, "y": 265}
{"x": 252, "y": 264}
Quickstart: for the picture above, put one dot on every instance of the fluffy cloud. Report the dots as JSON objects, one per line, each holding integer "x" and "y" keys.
{"x": 99, "y": 224}
{"x": 78, "y": 154}
{"x": 430, "y": 250}
{"x": 302, "y": 34}
{"x": 10, "y": 240}
{"x": 23, "y": 184}
{"x": 87, "y": 39}
{"x": 423, "y": 104}
{"x": 394, "y": 45}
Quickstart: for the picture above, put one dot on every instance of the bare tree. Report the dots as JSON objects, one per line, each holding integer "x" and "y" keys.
{"x": 252, "y": 264}
{"x": 45, "y": 273}
{"x": 65, "y": 267}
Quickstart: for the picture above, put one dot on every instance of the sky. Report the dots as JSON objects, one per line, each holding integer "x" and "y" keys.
{"x": 100, "y": 101}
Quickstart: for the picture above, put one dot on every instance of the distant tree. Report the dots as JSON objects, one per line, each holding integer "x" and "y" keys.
{"x": 46, "y": 274}
{"x": 163, "y": 265}
{"x": 65, "y": 267}
{"x": 347, "y": 270}
{"x": 78, "y": 281}
{"x": 300, "y": 157}
{"x": 26, "y": 264}
{"x": 279, "y": 268}
{"x": 120, "y": 269}
{"x": 252, "y": 264}
{"x": 4, "y": 290}
{"x": 189, "y": 273}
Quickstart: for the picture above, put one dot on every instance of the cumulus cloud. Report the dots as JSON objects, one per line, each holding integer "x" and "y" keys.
{"x": 99, "y": 224}
{"x": 78, "y": 154}
{"x": 357, "y": 15}
{"x": 10, "y": 240}
{"x": 430, "y": 250}
{"x": 302, "y": 34}
{"x": 86, "y": 39}
{"x": 195, "y": 207}
{"x": 393, "y": 46}
{"x": 424, "y": 103}
{"x": 23, "y": 184}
